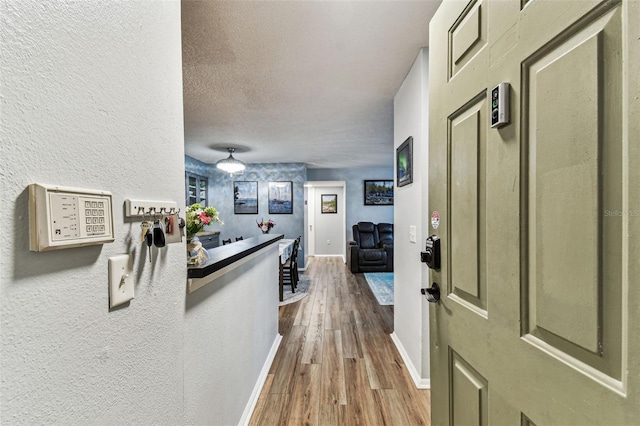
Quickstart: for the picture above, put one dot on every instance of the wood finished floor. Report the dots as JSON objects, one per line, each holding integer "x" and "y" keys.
{"x": 337, "y": 364}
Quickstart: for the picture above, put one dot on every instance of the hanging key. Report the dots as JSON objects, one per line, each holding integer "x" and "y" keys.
{"x": 181, "y": 225}
{"x": 168, "y": 224}
{"x": 158, "y": 234}
{"x": 145, "y": 226}
{"x": 149, "y": 239}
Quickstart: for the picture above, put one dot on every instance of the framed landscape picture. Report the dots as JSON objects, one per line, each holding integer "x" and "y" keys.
{"x": 245, "y": 197}
{"x": 280, "y": 197}
{"x": 329, "y": 203}
{"x": 404, "y": 163}
{"x": 378, "y": 192}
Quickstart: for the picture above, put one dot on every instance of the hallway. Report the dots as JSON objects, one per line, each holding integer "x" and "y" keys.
{"x": 337, "y": 364}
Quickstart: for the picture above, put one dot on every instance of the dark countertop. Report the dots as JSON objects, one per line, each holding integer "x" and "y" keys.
{"x": 225, "y": 255}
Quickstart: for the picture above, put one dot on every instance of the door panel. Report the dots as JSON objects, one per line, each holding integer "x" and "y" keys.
{"x": 539, "y": 219}
{"x": 571, "y": 252}
{"x": 467, "y": 142}
{"x": 469, "y": 393}
{"x": 467, "y": 36}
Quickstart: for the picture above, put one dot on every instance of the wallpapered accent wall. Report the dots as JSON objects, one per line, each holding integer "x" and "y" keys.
{"x": 235, "y": 225}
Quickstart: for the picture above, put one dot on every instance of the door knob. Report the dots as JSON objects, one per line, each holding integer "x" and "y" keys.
{"x": 432, "y": 293}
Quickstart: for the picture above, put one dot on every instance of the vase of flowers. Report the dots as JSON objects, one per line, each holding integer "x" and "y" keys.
{"x": 198, "y": 217}
{"x": 265, "y": 225}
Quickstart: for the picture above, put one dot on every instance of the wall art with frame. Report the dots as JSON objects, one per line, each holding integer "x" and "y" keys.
{"x": 281, "y": 197}
{"x": 378, "y": 192}
{"x": 245, "y": 197}
{"x": 329, "y": 203}
{"x": 404, "y": 163}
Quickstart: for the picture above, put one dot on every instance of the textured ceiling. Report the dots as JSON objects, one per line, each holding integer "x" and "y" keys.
{"x": 297, "y": 81}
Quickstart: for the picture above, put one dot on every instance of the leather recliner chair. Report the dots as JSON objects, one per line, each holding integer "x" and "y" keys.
{"x": 372, "y": 248}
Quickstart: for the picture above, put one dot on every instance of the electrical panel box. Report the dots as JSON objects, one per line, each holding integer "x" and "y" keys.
{"x": 62, "y": 217}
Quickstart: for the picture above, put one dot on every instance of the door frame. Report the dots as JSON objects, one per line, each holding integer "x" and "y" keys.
{"x": 310, "y": 216}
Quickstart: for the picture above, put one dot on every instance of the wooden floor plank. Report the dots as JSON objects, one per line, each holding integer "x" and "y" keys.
{"x": 261, "y": 405}
{"x": 305, "y": 401}
{"x": 333, "y": 390}
{"x": 393, "y": 411}
{"x": 351, "y": 347}
{"x": 332, "y": 414}
{"x": 303, "y": 316}
{"x": 276, "y": 412}
{"x": 298, "y": 334}
{"x": 285, "y": 368}
{"x": 312, "y": 351}
{"x": 361, "y": 409}
{"x": 332, "y": 319}
{"x": 337, "y": 364}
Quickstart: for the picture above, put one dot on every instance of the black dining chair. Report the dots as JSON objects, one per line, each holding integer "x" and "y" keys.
{"x": 240, "y": 238}
{"x": 290, "y": 268}
{"x": 225, "y": 242}
{"x": 296, "y": 270}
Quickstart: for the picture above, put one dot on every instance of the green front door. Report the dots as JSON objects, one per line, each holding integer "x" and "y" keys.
{"x": 539, "y": 319}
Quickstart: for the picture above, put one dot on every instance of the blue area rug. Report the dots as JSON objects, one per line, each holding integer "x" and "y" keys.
{"x": 381, "y": 284}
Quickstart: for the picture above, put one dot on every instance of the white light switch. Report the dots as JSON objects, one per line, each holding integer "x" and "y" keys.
{"x": 120, "y": 280}
{"x": 412, "y": 233}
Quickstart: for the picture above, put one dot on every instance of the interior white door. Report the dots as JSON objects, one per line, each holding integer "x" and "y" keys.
{"x": 327, "y": 226}
{"x": 539, "y": 317}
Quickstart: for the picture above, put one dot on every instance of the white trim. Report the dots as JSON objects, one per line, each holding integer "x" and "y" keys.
{"x": 262, "y": 378}
{"x": 306, "y": 265}
{"x": 413, "y": 372}
{"x": 310, "y": 209}
{"x": 332, "y": 255}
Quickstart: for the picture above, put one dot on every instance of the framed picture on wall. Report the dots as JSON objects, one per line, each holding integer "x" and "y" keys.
{"x": 378, "y": 192}
{"x": 280, "y": 197}
{"x": 329, "y": 203}
{"x": 245, "y": 197}
{"x": 404, "y": 163}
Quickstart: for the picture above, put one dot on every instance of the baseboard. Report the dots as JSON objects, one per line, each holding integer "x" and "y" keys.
{"x": 413, "y": 372}
{"x": 306, "y": 265}
{"x": 262, "y": 378}
{"x": 332, "y": 255}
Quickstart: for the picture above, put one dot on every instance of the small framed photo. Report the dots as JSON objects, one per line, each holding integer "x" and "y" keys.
{"x": 378, "y": 192}
{"x": 245, "y": 197}
{"x": 329, "y": 203}
{"x": 404, "y": 163}
{"x": 280, "y": 197}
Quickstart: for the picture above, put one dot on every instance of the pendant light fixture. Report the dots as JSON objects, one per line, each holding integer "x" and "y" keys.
{"x": 230, "y": 164}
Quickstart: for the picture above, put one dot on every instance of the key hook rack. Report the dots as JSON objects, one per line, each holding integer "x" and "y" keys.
{"x": 141, "y": 208}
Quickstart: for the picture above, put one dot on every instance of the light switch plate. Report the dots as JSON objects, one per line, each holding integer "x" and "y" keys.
{"x": 412, "y": 233}
{"x": 121, "y": 287}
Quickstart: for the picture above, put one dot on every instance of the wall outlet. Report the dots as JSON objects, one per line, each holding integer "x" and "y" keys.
{"x": 328, "y": 242}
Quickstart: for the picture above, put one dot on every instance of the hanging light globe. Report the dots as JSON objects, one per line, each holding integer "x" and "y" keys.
{"x": 230, "y": 164}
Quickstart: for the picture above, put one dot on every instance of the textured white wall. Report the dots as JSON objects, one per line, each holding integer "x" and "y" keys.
{"x": 91, "y": 97}
{"x": 411, "y": 310}
{"x": 224, "y": 355}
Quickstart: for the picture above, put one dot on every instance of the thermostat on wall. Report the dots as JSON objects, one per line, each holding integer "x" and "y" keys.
{"x": 62, "y": 217}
